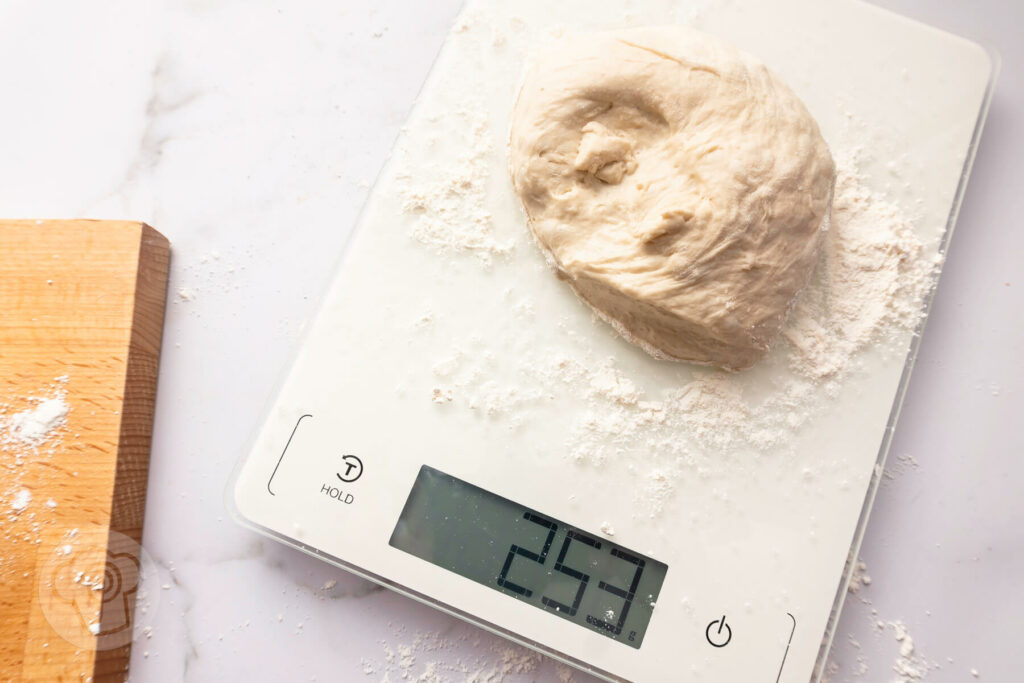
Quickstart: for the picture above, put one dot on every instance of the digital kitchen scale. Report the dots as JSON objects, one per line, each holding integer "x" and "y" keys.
{"x": 461, "y": 493}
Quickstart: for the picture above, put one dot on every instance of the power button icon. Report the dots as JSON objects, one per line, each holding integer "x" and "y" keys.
{"x": 718, "y": 632}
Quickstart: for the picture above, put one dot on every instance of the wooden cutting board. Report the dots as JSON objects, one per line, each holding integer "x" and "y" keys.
{"x": 81, "y": 318}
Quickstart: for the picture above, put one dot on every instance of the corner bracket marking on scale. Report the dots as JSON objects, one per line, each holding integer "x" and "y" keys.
{"x": 788, "y": 643}
{"x": 285, "y": 450}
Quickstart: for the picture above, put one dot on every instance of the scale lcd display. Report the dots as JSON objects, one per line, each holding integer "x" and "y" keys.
{"x": 530, "y": 556}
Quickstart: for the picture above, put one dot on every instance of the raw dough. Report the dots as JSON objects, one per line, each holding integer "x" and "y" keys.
{"x": 679, "y": 186}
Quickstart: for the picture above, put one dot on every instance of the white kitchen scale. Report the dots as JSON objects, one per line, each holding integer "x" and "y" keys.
{"x": 419, "y": 441}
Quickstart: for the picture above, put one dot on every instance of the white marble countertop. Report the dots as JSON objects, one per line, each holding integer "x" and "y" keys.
{"x": 248, "y": 133}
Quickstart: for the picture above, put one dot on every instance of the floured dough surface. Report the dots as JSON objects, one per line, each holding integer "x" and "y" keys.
{"x": 677, "y": 184}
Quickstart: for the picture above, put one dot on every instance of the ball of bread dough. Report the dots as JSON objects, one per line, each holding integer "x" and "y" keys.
{"x": 676, "y": 183}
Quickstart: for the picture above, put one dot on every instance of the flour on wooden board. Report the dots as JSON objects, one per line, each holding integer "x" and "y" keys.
{"x": 21, "y": 500}
{"x": 30, "y": 428}
{"x": 34, "y": 429}
{"x": 33, "y": 426}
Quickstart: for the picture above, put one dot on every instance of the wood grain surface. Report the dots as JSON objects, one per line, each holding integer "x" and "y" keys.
{"x": 81, "y": 317}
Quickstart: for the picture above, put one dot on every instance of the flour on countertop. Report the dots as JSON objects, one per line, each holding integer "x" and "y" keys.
{"x": 902, "y": 463}
{"x": 436, "y": 658}
{"x": 908, "y": 664}
{"x": 209, "y": 274}
{"x": 859, "y": 578}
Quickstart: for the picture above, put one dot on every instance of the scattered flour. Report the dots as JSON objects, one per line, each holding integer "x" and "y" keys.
{"x": 464, "y": 655}
{"x": 29, "y": 432}
{"x": 869, "y": 286}
{"x": 466, "y": 375}
{"x": 903, "y": 463}
{"x": 209, "y": 273}
{"x": 449, "y": 202}
{"x": 564, "y": 673}
{"x": 608, "y": 382}
{"x": 909, "y": 666}
{"x": 871, "y": 280}
{"x": 865, "y": 295}
{"x": 433, "y": 658}
{"x": 21, "y": 500}
{"x": 34, "y": 426}
{"x": 860, "y": 578}
{"x": 867, "y": 292}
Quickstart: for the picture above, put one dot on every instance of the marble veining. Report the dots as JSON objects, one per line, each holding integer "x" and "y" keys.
{"x": 249, "y": 134}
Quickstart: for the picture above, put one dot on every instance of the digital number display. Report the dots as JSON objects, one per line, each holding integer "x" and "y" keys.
{"x": 531, "y": 557}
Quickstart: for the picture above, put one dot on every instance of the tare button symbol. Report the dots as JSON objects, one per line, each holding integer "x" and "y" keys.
{"x": 351, "y": 469}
